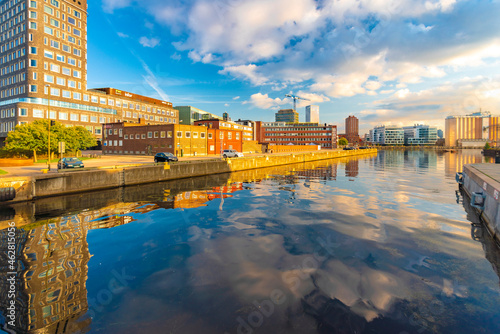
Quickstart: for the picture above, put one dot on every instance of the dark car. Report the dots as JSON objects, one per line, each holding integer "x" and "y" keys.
{"x": 347, "y": 148}
{"x": 165, "y": 157}
{"x": 69, "y": 163}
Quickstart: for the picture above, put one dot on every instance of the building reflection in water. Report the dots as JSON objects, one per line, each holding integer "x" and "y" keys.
{"x": 54, "y": 253}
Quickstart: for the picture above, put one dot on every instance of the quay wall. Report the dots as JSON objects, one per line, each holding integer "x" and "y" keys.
{"x": 479, "y": 182}
{"x": 63, "y": 183}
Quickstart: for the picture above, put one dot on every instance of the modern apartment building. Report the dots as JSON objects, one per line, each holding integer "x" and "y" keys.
{"x": 287, "y": 116}
{"x": 282, "y": 133}
{"x": 43, "y": 68}
{"x": 312, "y": 114}
{"x": 352, "y": 129}
{"x": 188, "y": 115}
{"x": 472, "y": 130}
{"x": 420, "y": 135}
{"x": 387, "y": 135}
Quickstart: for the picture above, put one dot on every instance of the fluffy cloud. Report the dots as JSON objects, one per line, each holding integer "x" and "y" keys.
{"x": 433, "y": 105}
{"x": 334, "y": 48}
{"x": 263, "y": 101}
{"x": 149, "y": 42}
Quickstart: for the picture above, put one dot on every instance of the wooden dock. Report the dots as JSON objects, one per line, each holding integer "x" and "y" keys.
{"x": 482, "y": 184}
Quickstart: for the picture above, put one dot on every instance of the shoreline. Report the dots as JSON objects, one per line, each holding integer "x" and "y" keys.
{"x": 32, "y": 187}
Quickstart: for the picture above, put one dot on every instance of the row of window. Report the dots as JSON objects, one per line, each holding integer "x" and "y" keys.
{"x": 13, "y": 32}
{"x": 13, "y": 79}
{"x": 5, "y": 9}
{"x": 291, "y": 134}
{"x": 5, "y": 25}
{"x": 12, "y": 91}
{"x": 7, "y": 126}
{"x": 305, "y": 128}
{"x": 63, "y": 47}
{"x": 298, "y": 139}
{"x": 15, "y": 54}
{"x": 55, "y": 3}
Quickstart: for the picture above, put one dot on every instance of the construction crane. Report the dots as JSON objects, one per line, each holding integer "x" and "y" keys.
{"x": 295, "y": 98}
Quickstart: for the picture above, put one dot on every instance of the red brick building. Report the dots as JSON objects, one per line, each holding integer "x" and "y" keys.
{"x": 352, "y": 130}
{"x": 130, "y": 138}
{"x": 281, "y": 133}
{"x": 223, "y": 139}
{"x": 228, "y": 125}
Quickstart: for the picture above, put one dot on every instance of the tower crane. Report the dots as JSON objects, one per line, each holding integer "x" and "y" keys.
{"x": 295, "y": 98}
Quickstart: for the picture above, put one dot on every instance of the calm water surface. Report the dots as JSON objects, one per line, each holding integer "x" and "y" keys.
{"x": 375, "y": 244}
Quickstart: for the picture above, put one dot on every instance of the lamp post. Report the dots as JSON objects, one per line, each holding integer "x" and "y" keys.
{"x": 48, "y": 116}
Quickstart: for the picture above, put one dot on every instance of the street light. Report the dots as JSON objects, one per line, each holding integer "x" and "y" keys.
{"x": 48, "y": 116}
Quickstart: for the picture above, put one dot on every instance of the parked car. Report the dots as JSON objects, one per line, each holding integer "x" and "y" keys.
{"x": 347, "y": 148}
{"x": 231, "y": 154}
{"x": 69, "y": 163}
{"x": 165, "y": 157}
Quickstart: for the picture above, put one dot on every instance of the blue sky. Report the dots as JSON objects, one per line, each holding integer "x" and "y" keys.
{"x": 387, "y": 62}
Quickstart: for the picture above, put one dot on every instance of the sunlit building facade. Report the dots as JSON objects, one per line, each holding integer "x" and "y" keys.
{"x": 420, "y": 135}
{"x": 287, "y": 116}
{"x": 472, "y": 130}
{"x": 43, "y": 68}
{"x": 387, "y": 135}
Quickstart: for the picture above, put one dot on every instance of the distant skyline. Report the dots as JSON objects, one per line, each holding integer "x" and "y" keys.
{"x": 385, "y": 62}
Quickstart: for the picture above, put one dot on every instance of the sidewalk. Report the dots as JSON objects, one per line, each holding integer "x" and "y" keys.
{"x": 109, "y": 160}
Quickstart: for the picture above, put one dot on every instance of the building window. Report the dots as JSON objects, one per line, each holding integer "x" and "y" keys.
{"x": 162, "y": 134}
{"x": 84, "y": 118}
{"x": 23, "y": 112}
{"x": 179, "y": 134}
{"x": 73, "y": 117}
{"x": 150, "y": 134}
{"x": 85, "y": 97}
{"x": 209, "y": 136}
{"x": 55, "y": 91}
{"x": 60, "y": 81}
{"x": 97, "y": 131}
{"x": 93, "y": 119}
{"x": 66, "y": 94}
{"x": 48, "y": 30}
{"x": 33, "y": 88}
{"x": 32, "y": 62}
{"x": 229, "y": 135}
{"x": 137, "y": 136}
{"x": 77, "y": 96}
{"x": 143, "y": 136}
{"x": 63, "y": 116}
{"x": 202, "y": 135}
{"x": 38, "y": 113}
{"x": 32, "y": 25}
{"x": 156, "y": 134}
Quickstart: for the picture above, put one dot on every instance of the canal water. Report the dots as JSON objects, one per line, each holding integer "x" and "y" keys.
{"x": 381, "y": 243}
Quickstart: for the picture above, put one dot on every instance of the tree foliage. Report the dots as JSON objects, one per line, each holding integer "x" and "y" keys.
{"x": 34, "y": 137}
{"x": 487, "y": 146}
{"x": 343, "y": 142}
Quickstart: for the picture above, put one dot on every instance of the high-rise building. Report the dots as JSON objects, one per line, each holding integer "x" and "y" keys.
{"x": 312, "y": 114}
{"x": 472, "y": 130}
{"x": 287, "y": 116}
{"x": 43, "y": 72}
{"x": 352, "y": 129}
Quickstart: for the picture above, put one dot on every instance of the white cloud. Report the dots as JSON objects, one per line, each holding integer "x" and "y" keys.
{"x": 236, "y": 98}
{"x": 122, "y": 35}
{"x": 176, "y": 56}
{"x": 149, "y": 42}
{"x": 331, "y": 48}
{"x": 263, "y": 101}
{"x": 246, "y": 72}
{"x": 226, "y": 105}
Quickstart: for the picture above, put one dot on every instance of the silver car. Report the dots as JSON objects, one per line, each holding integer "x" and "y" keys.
{"x": 231, "y": 154}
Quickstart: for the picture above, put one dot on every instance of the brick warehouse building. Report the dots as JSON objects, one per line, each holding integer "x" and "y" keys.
{"x": 281, "y": 133}
{"x": 43, "y": 68}
{"x": 178, "y": 139}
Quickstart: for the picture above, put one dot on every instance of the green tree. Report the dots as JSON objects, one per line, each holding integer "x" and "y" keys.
{"x": 343, "y": 142}
{"x": 487, "y": 146}
{"x": 32, "y": 138}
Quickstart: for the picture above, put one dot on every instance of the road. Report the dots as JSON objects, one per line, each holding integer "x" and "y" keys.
{"x": 105, "y": 161}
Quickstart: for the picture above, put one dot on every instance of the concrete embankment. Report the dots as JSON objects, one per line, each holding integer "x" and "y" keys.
{"x": 482, "y": 184}
{"x": 45, "y": 185}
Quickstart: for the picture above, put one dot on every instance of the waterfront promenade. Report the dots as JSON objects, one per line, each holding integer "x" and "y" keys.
{"x": 38, "y": 185}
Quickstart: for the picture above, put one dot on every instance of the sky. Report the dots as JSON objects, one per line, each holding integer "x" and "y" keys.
{"x": 392, "y": 62}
